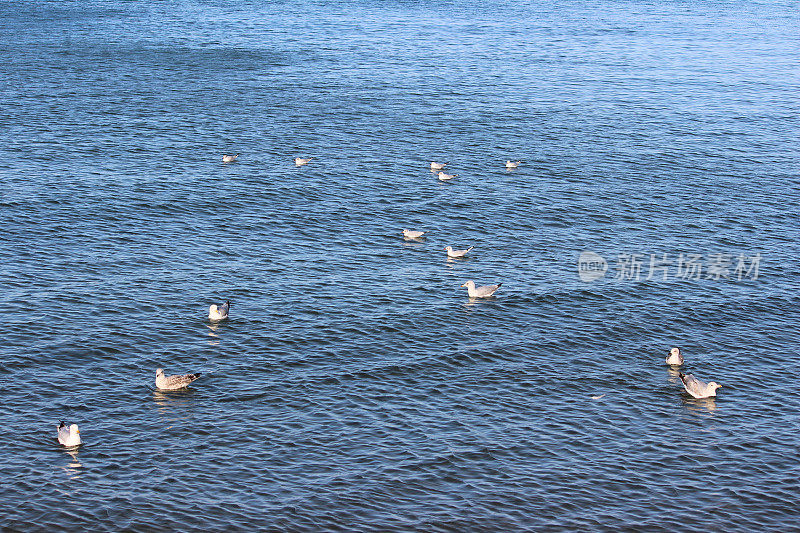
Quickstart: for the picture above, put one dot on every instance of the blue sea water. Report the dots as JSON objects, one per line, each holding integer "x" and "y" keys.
{"x": 356, "y": 386}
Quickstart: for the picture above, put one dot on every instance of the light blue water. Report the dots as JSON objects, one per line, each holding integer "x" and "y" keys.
{"x": 356, "y": 387}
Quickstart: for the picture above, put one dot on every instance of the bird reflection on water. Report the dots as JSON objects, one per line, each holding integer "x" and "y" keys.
{"x": 673, "y": 376}
{"x": 214, "y": 327}
{"x": 74, "y": 467}
{"x": 702, "y": 406}
{"x": 172, "y": 402}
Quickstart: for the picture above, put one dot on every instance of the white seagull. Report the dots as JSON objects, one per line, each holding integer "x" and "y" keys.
{"x": 445, "y": 177}
{"x": 173, "y": 382}
{"x": 299, "y": 161}
{"x": 480, "y": 292}
{"x": 69, "y": 436}
{"x": 675, "y": 357}
{"x": 218, "y": 312}
{"x": 697, "y": 388}
{"x": 227, "y": 158}
{"x": 457, "y": 253}
{"x": 413, "y": 234}
{"x": 512, "y": 164}
{"x": 437, "y": 166}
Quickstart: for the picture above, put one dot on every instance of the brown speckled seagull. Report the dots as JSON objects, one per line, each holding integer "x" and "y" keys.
{"x": 173, "y": 382}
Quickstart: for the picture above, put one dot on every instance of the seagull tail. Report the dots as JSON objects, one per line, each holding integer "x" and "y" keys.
{"x": 682, "y": 376}
{"x": 470, "y": 248}
{"x": 499, "y": 285}
{"x": 194, "y": 376}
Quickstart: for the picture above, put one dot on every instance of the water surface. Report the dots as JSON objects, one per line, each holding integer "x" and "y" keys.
{"x": 356, "y": 387}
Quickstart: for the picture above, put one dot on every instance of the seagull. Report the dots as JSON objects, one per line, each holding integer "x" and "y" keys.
{"x": 219, "y": 312}
{"x": 227, "y": 158}
{"x": 480, "y": 292}
{"x": 413, "y": 234}
{"x": 437, "y": 166}
{"x": 512, "y": 164}
{"x": 697, "y": 388}
{"x": 69, "y": 436}
{"x": 457, "y": 253}
{"x": 675, "y": 357}
{"x": 445, "y": 177}
{"x": 173, "y": 382}
{"x": 299, "y": 161}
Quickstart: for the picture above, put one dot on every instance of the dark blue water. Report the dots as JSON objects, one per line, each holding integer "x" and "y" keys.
{"x": 356, "y": 386}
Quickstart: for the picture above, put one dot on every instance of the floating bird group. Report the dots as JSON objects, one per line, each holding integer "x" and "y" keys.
{"x": 695, "y": 387}
{"x": 474, "y": 292}
{"x": 484, "y": 291}
{"x": 69, "y": 436}
{"x": 179, "y": 381}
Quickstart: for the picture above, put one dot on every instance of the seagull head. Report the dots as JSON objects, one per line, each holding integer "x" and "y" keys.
{"x": 469, "y": 284}
{"x": 448, "y": 248}
{"x": 159, "y": 372}
{"x": 715, "y": 385}
{"x": 74, "y": 429}
{"x": 675, "y": 351}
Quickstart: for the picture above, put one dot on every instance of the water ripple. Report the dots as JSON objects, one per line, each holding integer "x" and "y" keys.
{"x": 355, "y": 386}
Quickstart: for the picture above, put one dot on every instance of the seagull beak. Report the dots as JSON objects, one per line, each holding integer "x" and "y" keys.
{"x": 464, "y": 285}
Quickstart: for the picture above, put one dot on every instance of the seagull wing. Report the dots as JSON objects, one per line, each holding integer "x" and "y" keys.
{"x": 178, "y": 381}
{"x": 693, "y": 386}
{"x": 487, "y": 290}
{"x": 63, "y": 433}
